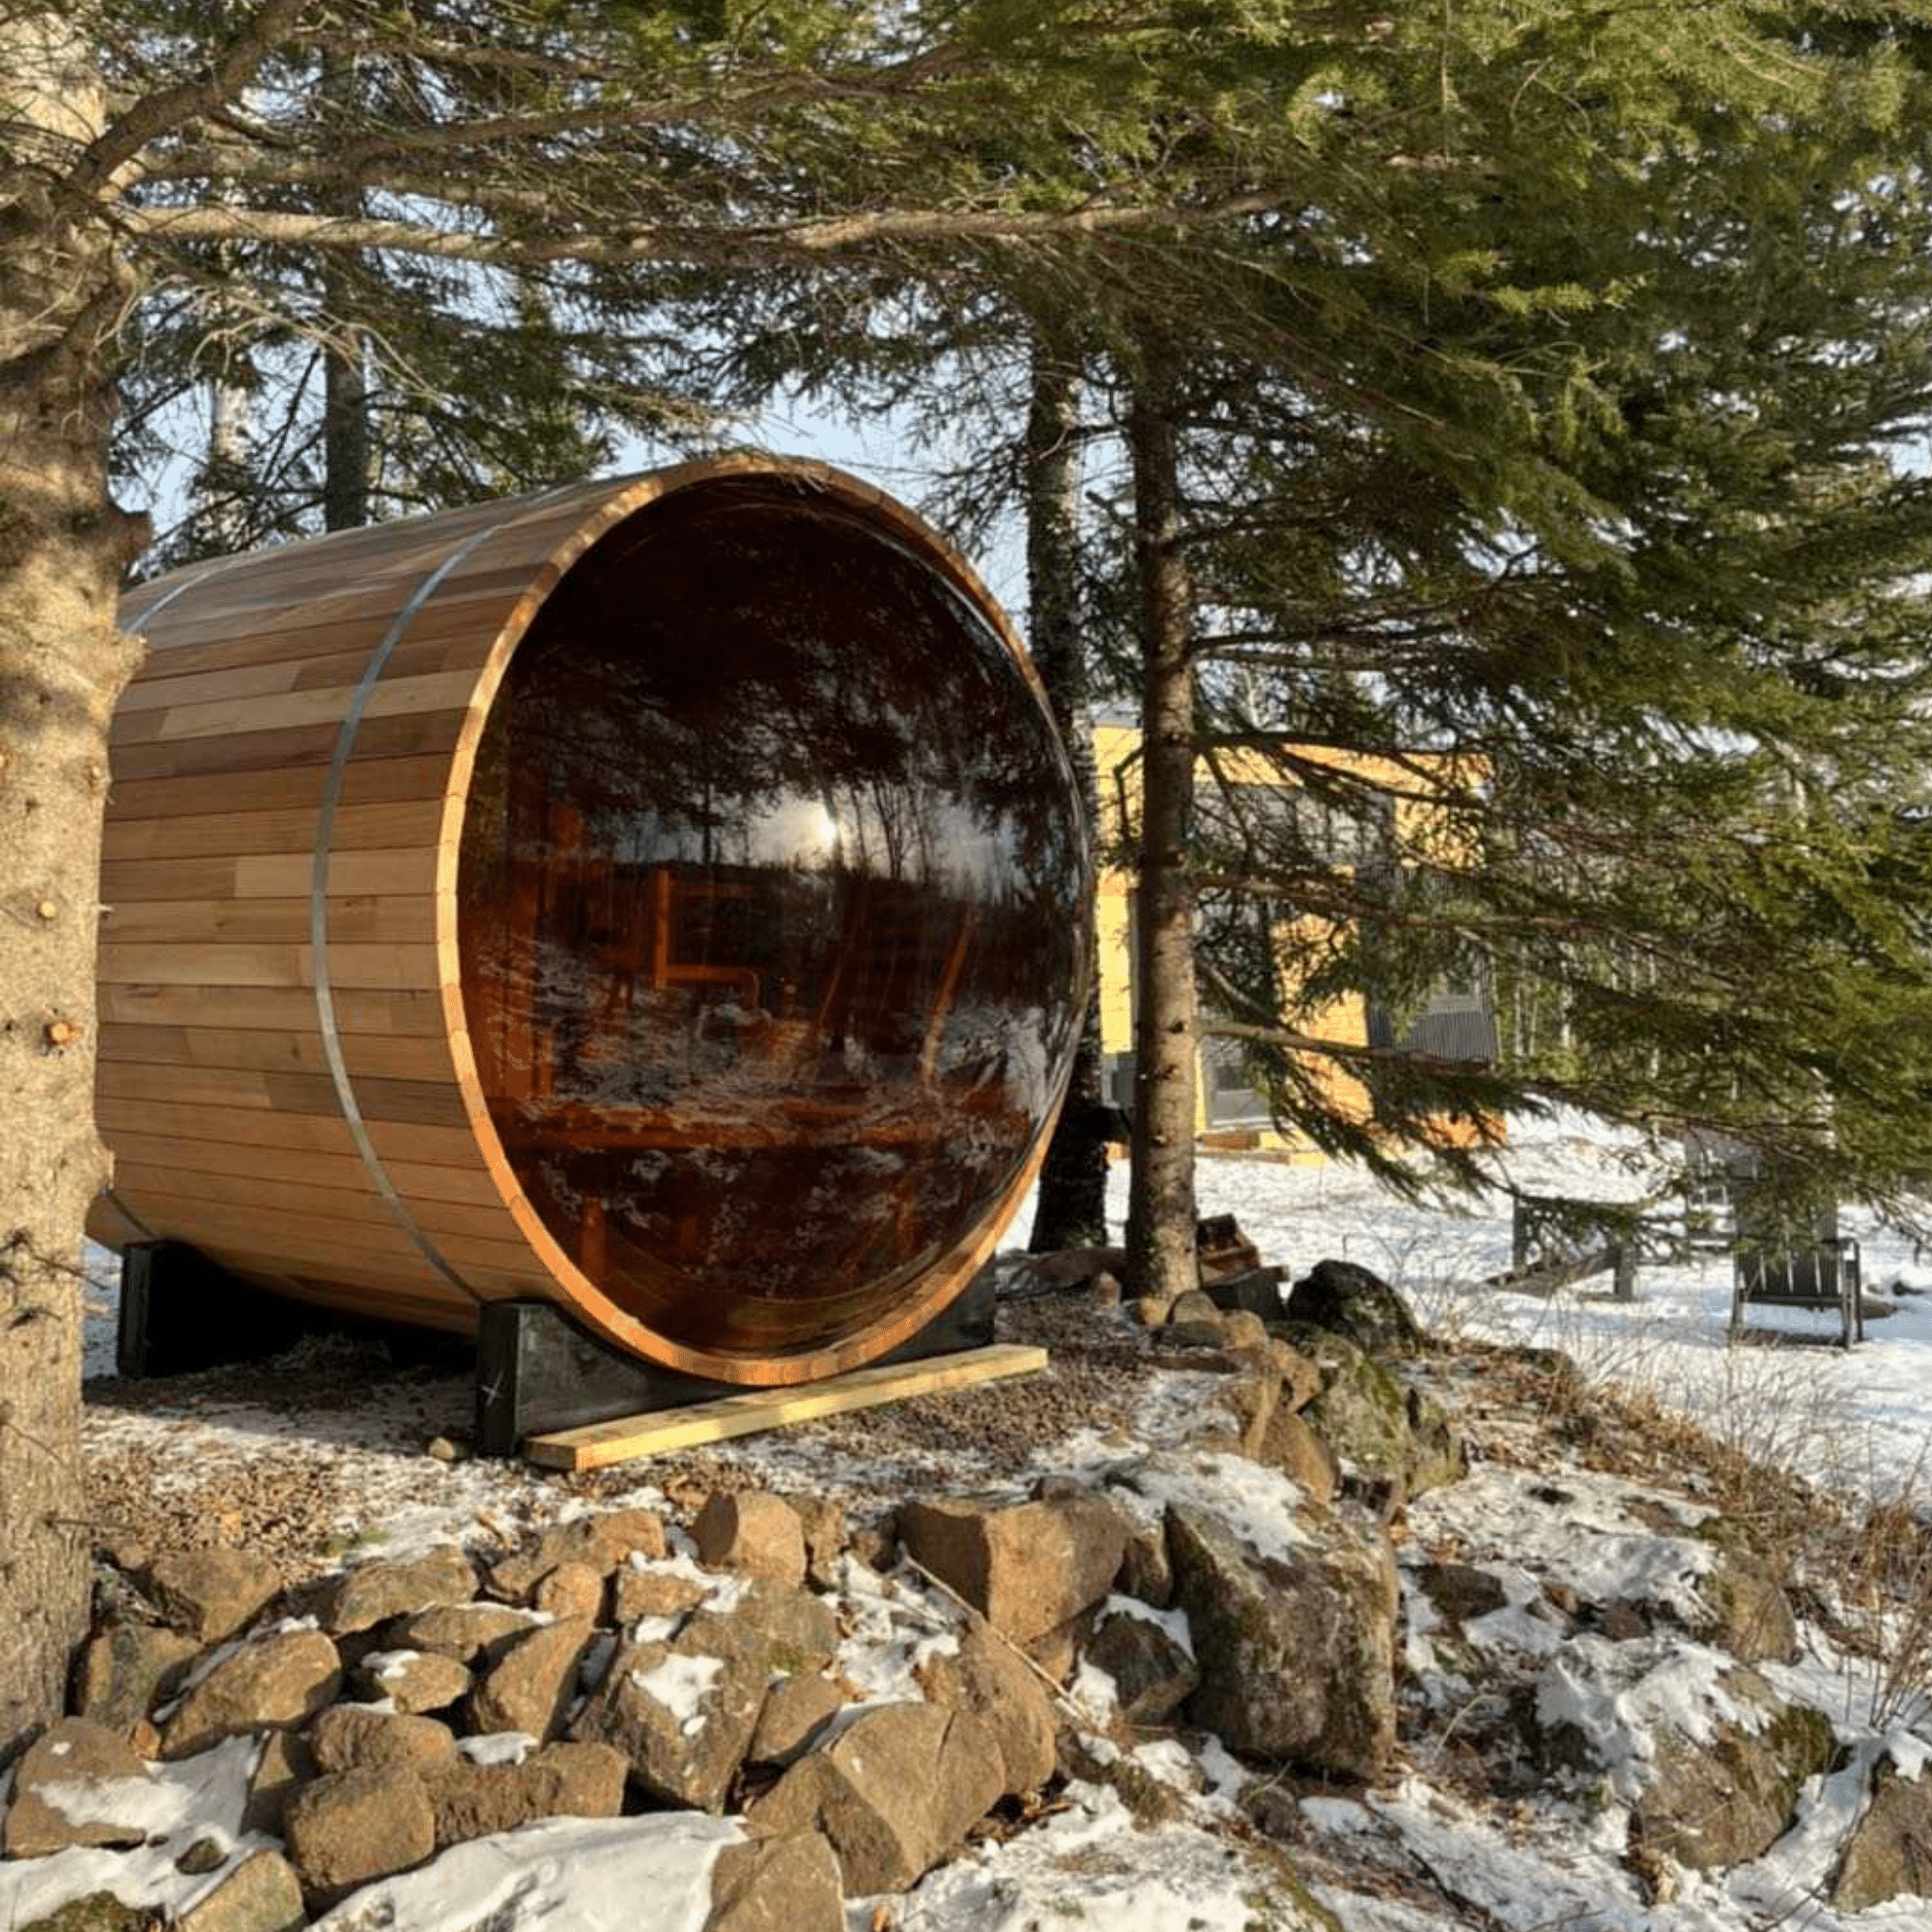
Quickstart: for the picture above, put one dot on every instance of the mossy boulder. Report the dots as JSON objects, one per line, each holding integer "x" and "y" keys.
{"x": 1361, "y": 1305}
{"x": 1746, "y": 1612}
{"x": 1726, "y": 1802}
{"x": 1889, "y": 1851}
{"x": 1373, "y": 1422}
{"x": 1295, "y": 1647}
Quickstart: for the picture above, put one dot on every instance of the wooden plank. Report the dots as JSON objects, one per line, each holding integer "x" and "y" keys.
{"x": 186, "y": 964}
{"x": 356, "y": 828}
{"x": 418, "y": 1185}
{"x": 367, "y": 1056}
{"x": 451, "y": 1151}
{"x": 228, "y": 717}
{"x": 357, "y": 918}
{"x": 408, "y": 736}
{"x": 169, "y": 684}
{"x": 421, "y": 1103}
{"x": 602, "y": 1443}
{"x": 418, "y": 1103}
{"x": 388, "y": 871}
{"x": 285, "y": 1235}
{"x": 409, "y": 1012}
{"x": 379, "y": 782}
{"x": 356, "y": 1204}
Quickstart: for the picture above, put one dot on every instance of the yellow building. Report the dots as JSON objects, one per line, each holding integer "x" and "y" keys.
{"x": 1457, "y": 1022}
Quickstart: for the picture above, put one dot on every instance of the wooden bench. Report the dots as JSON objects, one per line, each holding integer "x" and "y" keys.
{"x": 1822, "y": 1277}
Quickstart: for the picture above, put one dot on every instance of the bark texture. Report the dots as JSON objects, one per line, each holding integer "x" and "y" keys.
{"x": 62, "y": 666}
{"x": 1072, "y": 1204}
{"x": 1162, "y": 1256}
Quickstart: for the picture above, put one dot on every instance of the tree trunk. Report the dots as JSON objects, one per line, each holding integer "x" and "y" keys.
{"x": 345, "y": 434}
{"x": 1072, "y": 1206}
{"x": 345, "y": 355}
{"x": 1161, "y": 1259}
{"x": 62, "y": 666}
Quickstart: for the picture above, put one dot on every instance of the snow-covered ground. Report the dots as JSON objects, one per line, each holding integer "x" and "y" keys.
{"x": 1861, "y": 1419}
{"x": 1421, "y": 1853}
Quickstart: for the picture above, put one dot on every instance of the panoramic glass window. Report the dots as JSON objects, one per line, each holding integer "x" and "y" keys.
{"x": 770, "y": 913}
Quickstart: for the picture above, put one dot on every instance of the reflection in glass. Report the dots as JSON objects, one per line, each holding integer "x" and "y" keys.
{"x": 771, "y": 901}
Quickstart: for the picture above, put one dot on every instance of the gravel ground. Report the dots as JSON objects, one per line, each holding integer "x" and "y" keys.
{"x": 320, "y": 1451}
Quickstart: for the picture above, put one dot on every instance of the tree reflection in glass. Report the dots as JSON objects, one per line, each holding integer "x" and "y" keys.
{"x": 771, "y": 895}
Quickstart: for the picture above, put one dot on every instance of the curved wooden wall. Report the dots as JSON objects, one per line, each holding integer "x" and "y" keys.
{"x": 285, "y": 1076}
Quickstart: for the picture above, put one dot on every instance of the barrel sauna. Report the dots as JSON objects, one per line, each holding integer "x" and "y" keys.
{"x": 663, "y": 897}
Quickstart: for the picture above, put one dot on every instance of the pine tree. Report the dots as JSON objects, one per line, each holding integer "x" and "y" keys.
{"x": 1554, "y": 554}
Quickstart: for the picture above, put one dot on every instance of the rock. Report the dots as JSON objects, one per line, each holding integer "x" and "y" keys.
{"x": 1026, "y": 1566}
{"x": 1436, "y": 1454}
{"x": 530, "y": 1687}
{"x": 1243, "y": 1331}
{"x": 561, "y": 1780}
{"x": 1151, "y": 1801}
{"x": 211, "y": 1594}
{"x": 1724, "y": 1802}
{"x": 1889, "y": 1853}
{"x": 1289, "y": 1444}
{"x": 825, "y": 1528}
{"x": 602, "y": 1542}
{"x": 1237, "y": 1416}
{"x": 794, "y": 1708}
{"x": 682, "y": 1715}
{"x": 1055, "y": 1654}
{"x": 1750, "y": 1614}
{"x": 1459, "y": 1591}
{"x": 896, "y": 1792}
{"x": 1193, "y": 1308}
{"x": 276, "y": 1683}
{"x": 788, "y": 1883}
{"x": 286, "y": 1764}
{"x": 466, "y": 1631}
{"x": 1352, "y": 1301}
{"x": 569, "y": 1590}
{"x": 651, "y": 1593}
{"x": 1625, "y": 1620}
{"x": 413, "y": 1680}
{"x": 351, "y": 1737}
{"x": 73, "y": 1752}
{"x": 777, "y": 1628}
{"x": 1152, "y": 1672}
{"x": 1362, "y": 1412}
{"x": 201, "y": 1857}
{"x": 1069, "y": 1268}
{"x": 985, "y": 1677}
{"x": 753, "y": 1532}
{"x": 127, "y": 1668}
{"x": 373, "y": 1592}
{"x": 261, "y": 1895}
{"x": 1296, "y": 1649}
{"x": 354, "y": 1826}
{"x": 1146, "y": 1572}
{"x": 440, "y": 1449}
{"x": 1300, "y": 1377}
{"x": 94, "y": 1912}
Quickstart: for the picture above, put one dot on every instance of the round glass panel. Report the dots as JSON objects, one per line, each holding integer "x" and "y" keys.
{"x": 771, "y": 910}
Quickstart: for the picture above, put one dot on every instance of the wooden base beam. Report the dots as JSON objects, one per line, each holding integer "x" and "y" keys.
{"x": 599, "y": 1444}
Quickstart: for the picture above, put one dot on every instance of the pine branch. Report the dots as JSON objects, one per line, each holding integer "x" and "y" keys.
{"x": 751, "y": 246}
